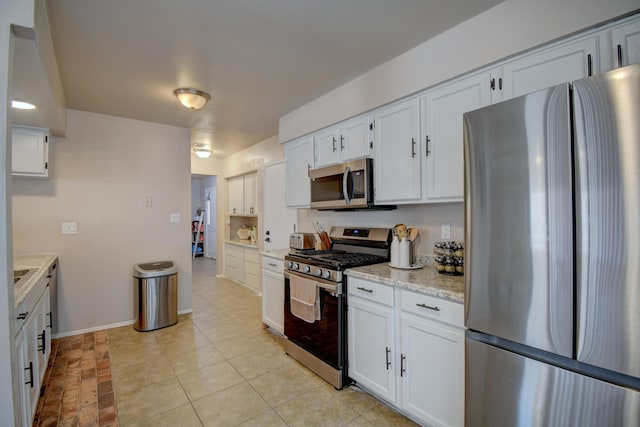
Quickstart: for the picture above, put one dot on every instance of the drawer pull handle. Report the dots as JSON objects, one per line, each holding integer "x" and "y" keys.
{"x": 434, "y": 308}
{"x": 388, "y": 357}
{"x": 365, "y": 289}
{"x": 30, "y": 369}
{"x": 402, "y": 368}
{"x": 272, "y": 264}
{"x": 22, "y": 316}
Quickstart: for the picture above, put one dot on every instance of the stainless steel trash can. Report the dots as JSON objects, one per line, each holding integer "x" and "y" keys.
{"x": 156, "y": 295}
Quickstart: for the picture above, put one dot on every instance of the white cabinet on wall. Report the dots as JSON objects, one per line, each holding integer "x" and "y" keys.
{"x": 397, "y": 153}
{"x": 273, "y": 293}
{"x": 30, "y": 152}
{"x": 443, "y": 162}
{"x": 346, "y": 141}
{"x": 417, "y": 366}
{"x": 625, "y": 44}
{"x": 298, "y": 161}
{"x": 243, "y": 195}
{"x": 552, "y": 66}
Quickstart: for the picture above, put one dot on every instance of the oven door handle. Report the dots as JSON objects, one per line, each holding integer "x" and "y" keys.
{"x": 345, "y": 190}
{"x": 334, "y": 287}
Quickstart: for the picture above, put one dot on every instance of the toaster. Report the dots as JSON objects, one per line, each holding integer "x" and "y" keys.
{"x": 301, "y": 241}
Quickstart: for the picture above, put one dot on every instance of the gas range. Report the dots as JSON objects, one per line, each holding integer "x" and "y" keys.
{"x": 351, "y": 247}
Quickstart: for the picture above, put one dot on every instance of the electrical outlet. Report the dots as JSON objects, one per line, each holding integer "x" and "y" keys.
{"x": 174, "y": 218}
{"x": 69, "y": 228}
{"x": 445, "y": 231}
{"x": 148, "y": 201}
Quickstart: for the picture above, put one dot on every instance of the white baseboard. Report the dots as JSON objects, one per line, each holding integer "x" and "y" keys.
{"x": 110, "y": 326}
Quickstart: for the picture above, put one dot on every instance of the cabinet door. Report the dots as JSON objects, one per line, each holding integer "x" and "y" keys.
{"x": 24, "y": 377}
{"x": 432, "y": 359}
{"x": 625, "y": 42}
{"x": 397, "y": 153}
{"x": 31, "y": 374}
{"x": 326, "y": 147}
{"x": 251, "y": 194}
{"x": 41, "y": 322}
{"x": 560, "y": 64}
{"x": 234, "y": 262}
{"x": 236, "y": 195}
{"x": 443, "y": 171}
{"x": 298, "y": 161}
{"x": 273, "y": 300}
{"x": 372, "y": 360}
{"x": 30, "y": 152}
{"x": 355, "y": 138}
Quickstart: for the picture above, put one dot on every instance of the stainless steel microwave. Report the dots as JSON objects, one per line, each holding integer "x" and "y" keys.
{"x": 344, "y": 186}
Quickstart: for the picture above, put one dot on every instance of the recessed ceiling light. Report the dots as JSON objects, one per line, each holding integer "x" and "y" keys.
{"x": 21, "y": 105}
{"x": 193, "y": 99}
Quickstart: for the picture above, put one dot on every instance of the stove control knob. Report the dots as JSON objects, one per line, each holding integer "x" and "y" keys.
{"x": 326, "y": 274}
{"x": 318, "y": 272}
{"x": 295, "y": 266}
{"x": 307, "y": 269}
{"x": 290, "y": 265}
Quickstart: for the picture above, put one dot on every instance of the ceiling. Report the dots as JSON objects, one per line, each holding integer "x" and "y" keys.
{"x": 259, "y": 59}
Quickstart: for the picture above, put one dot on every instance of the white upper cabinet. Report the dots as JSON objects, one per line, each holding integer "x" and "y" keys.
{"x": 30, "y": 152}
{"x": 625, "y": 43}
{"x": 327, "y": 150}
{"x": 236, "y": 195}
{"x": 298, "y": 161}
{"x": 559, "y": 64}
{"x": 443, "y": 171}
{"x": 251, "y": 194}
{"x": 397, "y": 153}
{"x": 349, "y": 140}
{"x": 243, "y": 196}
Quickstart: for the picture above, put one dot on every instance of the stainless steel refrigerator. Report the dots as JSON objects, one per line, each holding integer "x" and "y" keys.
{"x": 552, "y": 229}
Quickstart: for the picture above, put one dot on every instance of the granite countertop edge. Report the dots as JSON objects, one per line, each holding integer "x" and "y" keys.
{"x": 42, "y": 262}
{"x": 426, "y": 280}
{"x": 275, "y": 253}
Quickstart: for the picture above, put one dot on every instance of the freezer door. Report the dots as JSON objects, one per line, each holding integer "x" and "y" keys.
{"x": 507, "y": 389}
{"x": 518, "y": 221}
{"x": 607, "y": 139}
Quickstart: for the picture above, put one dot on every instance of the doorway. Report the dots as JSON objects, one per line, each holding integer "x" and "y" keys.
{"x": 204, "y": 202}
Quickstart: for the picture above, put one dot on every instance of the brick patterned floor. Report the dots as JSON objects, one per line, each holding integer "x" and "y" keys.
{"x": 77, "y": 388}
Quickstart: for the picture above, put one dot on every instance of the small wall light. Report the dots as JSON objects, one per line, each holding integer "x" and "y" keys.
{"x": 193, "y": 99}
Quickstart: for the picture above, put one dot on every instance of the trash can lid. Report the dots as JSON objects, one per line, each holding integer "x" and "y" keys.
{"x": 154, "y": 269}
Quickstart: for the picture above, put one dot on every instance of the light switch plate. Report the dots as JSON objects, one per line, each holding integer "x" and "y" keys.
{"x": 69, "y": 228}
{"x": 174, "y": 218}
{"x": 445, "y": 231}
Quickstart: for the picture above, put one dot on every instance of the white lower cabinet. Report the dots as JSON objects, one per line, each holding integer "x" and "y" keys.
{"x": 273, "y": 293}
{"x": 33, "y": 347}
{"x": 242, "y": 265}
{"x": 408, "y": 349}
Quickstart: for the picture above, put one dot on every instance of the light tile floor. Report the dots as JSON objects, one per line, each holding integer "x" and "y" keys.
{"x": 219, "y": 367}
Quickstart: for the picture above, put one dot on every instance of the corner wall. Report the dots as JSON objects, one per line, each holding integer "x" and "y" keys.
{"x": 100, "y": 175}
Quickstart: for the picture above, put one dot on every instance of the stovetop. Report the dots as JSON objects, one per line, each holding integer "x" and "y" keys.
{"x": 336, "y": 259}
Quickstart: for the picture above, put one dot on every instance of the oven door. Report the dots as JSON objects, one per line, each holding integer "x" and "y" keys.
{"x": 347, "y": 185}
{"x": 324, "y": 338}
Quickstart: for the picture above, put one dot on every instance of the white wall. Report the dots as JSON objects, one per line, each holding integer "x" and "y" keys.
{"x": 507, "y": 29}
{"x": 197, "y": 200}
{"x": 100, "y": 174}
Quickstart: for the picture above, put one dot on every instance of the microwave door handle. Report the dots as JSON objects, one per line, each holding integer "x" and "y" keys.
{"x": 345, "y": 178}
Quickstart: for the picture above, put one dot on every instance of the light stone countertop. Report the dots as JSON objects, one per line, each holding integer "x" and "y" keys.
{"x": 275, "y": 253}
{"x": 244, "y": 243}
{"x": 425, "y": 280}
{"x": 26, "y": 262}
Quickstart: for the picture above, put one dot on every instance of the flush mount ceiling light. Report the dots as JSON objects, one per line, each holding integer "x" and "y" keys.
{"x": 193, "y": 99}
{"x": 21, "y": 105}
{"x": 202, "y": 151}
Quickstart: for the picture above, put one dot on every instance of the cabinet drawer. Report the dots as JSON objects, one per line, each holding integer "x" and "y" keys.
{"x": 432, "y": 308}
{"x": 371, "y": 291}
{"x": 252, "y": 268}
{"x": 252, "y": 255}
{"x": 272, "y": 264}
